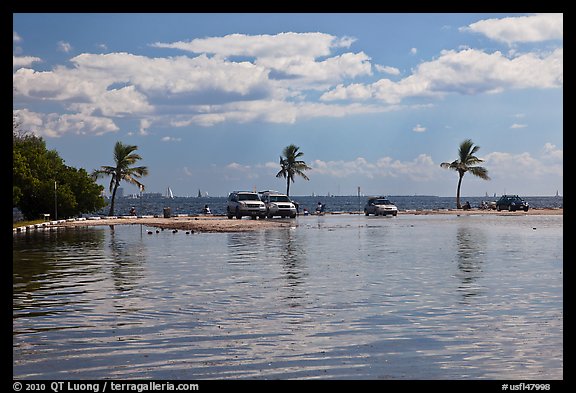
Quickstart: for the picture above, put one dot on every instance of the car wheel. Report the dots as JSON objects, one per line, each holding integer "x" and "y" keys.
{"x": 230, "y": 215}
{"x": 498, "y": 208}
{"x": 293, "y": 216}
{"x": 366, "y": 213}
{"x": 525, "y": 209}
{"x": 510, "y": 208}
{"x": 394, "y": 214}
{"x": 238, "y": 214}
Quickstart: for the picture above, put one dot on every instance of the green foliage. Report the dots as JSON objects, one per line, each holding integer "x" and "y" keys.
{"x": 466, "y": 162}
{"x": 291, "y": 166}
{"x": 124, "y": 158}
{"x": 34, "y": 171}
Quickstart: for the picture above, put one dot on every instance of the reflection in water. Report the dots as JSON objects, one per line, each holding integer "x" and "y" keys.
{"x": 292, "y": 252}
{"x": 128, "y": 260}
{"x": 45, "y": 268}
{"x": 471, "y": 241}
{"x": 351, "y": 298}
{"x": 279, "y": 246}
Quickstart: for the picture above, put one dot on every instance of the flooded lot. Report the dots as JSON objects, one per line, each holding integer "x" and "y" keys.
{"x": 334, "y": 297}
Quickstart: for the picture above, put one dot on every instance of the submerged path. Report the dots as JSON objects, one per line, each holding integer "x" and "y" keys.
{"x": 223, "y": 224}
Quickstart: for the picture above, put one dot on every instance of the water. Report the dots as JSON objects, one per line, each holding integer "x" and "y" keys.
{"x": 335, "y": 297}
{"x": 193, "y": 205}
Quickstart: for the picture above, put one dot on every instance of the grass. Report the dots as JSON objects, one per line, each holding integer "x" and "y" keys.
{"x": 24, "y": 223}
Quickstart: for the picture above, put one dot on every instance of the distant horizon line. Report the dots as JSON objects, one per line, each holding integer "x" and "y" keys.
{"x": 160, "y": 195}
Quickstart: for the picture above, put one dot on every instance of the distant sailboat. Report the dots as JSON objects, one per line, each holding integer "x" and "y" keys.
{"x": 169, "y": 193}
{"x": 199, "y": 194}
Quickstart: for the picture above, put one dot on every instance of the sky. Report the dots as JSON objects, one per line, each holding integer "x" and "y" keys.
{"x": 373, "y": 100}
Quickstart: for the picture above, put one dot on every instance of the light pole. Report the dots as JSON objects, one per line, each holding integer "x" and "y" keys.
{"x": 55, "y": 201}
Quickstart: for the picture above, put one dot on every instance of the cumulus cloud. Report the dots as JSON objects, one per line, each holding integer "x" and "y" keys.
{"x": 551, "y": 152}
{"x": 24, "y": 61}
{"x": 57, "y": 125}
{"x": 532, "y": 28}
{"x": 270, "y": 78}
{"x": 468, "y": 71}
{"x": 280, "y": 45}
{"x": 524, "y": 165}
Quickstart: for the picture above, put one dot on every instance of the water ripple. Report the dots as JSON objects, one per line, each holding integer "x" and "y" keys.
{"x": 338, "y": 297}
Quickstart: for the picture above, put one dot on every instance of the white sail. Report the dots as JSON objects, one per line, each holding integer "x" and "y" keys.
{"x": 169, "y": 193}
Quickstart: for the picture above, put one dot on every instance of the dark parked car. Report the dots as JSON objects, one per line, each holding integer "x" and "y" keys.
{"x": 511, "y": 203}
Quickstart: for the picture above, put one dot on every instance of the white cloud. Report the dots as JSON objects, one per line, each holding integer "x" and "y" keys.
{"x": 468, "y": 71}
{"x": 413, "y": 51}
{"x": 280, "y": 45}
{"x": 387, "y": 69}
{"x": 56, "y": 125}
{"x": 419, "y": 128}
{"x": 24, "y": 61}
{"x": 513, "y": 166}
{"x": 266, "y": 78}
{"x": 517, "y": 125}
{"x": 16, "y": 37}
{"x": 170, "y": 139}
{"x": 551, "y": 153}
{"x": 64, "y": 46}
{"x": 237, "y": 166}
{"x": 532, "y": 28}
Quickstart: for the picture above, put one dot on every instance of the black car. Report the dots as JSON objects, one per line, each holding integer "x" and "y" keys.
{"x": 511, "y": 203}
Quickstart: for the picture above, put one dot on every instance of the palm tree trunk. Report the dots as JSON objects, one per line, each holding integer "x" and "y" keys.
{"x": 458, "y": 205}
{"x": 287, "y": 185}
{"x": 111, "y": 212}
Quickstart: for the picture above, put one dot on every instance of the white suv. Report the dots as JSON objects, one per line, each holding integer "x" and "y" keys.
{"x": 278, "y": 204}
{"x": 245, "y": 203}
{"x": 380, "y": 206}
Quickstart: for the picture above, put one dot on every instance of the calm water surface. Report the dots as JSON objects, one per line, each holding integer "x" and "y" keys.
{"x": 345, "y": 297}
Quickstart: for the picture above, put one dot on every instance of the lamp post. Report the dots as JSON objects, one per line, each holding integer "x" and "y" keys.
{"x": 55, "y": 201}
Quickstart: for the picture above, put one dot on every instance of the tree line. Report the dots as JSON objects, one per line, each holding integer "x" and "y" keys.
{"x": 43, "y": 184}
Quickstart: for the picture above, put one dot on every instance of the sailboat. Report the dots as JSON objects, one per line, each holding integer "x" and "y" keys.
{"x": 199, "y": 194}
{"x": 169, "y": 193}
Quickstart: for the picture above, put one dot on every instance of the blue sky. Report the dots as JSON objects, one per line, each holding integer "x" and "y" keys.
{"x": 375, "y": 100}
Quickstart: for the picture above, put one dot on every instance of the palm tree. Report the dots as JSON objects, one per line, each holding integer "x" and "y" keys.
{"x": 466, "y": 163}
{"x": 290, "y": 165}
{"x": 124, "y": 158}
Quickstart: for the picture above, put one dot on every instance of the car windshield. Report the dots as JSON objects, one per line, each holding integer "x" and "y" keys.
{"x": 382, "y": 202}
{"x": 279, "y": 198}
{"x": 248, "y": 197}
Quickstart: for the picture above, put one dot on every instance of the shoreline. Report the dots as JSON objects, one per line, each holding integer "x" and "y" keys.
{"x": 220, "y": 223}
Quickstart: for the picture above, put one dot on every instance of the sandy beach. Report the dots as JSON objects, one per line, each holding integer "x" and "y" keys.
{"x": 223, "y": 224}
